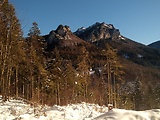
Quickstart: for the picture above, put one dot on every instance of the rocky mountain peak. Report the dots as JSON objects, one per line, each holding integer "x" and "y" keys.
{"x": 98, "y": 31}
{"x": 62, "y": 36}
{"x": 62, "y": 30}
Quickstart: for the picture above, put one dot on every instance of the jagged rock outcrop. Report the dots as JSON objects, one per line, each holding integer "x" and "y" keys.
{"x": 55, "y": 36}
{"x": 62, "y": 36}
{"x": 97, "y": 32}
{"x": 62, "y": 30}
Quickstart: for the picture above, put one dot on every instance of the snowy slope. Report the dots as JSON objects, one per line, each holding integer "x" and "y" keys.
{"x": 18, "y": 110}
{"x": 119, "y": 114}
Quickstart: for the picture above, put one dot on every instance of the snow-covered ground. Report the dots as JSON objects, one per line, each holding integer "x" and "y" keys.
{"x": 18, "y": 110}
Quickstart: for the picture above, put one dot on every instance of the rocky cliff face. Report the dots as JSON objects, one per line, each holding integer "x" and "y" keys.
{"x": 97, "y": 32}
{"x": 62, "y": 36}
{"x": 60, "y": 33}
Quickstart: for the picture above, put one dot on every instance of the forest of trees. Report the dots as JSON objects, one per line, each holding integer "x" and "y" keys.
{"x": 30, "y": 72}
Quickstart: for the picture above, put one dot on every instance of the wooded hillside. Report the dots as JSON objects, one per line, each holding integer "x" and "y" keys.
{"x": 70, "y": 70}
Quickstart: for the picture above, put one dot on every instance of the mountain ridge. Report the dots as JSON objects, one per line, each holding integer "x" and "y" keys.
{"x": 99, "y": 34}
{"x": 141, "y": 63}
{"x": 155, "y": 45}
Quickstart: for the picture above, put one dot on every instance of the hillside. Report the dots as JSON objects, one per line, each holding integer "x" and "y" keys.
{"x": 155, "y": 45}
{"x": 140, "y": 63}
{"x": 102, "y": 33}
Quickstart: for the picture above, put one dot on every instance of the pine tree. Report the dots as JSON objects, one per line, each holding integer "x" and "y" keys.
{"x": 55, "y": 78}
{"x": 35, "y": 60}
{"x": 114, "y": 74}
{"x": 34, "y": 31}
{"x": 69, "y": 75}
{"x": 83, "y": 73}
{"x": 10, "y": 34}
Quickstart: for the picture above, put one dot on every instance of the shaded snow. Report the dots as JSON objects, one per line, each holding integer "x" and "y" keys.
{"x": 120, "y": 114}
{"x": 18, "y": 110}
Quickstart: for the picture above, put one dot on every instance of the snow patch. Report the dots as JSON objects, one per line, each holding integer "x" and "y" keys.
{"x": 82, "y": 29}
{"x": 121, "y": 37}
{"x": 139, "y": 55}
{"x": 108, "y": 25}
{"x": 19, "y": 110}
{"x": 91, "y": 72}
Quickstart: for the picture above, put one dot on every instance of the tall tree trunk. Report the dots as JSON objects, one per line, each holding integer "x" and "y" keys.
{"x": 32, "y": 88}
{"x": 28, "y": 91}
{"x": 66, "y": 96}
{"x": 4, "y": 58}
{"x": 86, "y": 91}
{"x": 109, "y": 85}
{"x": 3, "y": 71}
{"x": 114, "y": 90}
{"x": 16, "y": 82}
{"x": 9, "y": 85}
{"x": 58, "y": 93}
{"x": 23, "y": 90}
{"x": 42, "y": 94}
{"x": 38, "y": 89}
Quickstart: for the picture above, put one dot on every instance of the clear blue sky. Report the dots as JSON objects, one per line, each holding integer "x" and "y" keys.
{"x": 138, "y": 20}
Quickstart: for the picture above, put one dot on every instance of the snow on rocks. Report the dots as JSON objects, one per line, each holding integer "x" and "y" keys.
{"x": 121, "y": 37}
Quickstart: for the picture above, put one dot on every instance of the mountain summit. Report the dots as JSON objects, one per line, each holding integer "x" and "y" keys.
{"x": 62, "y": 36}
{"x": 98, "y": 31}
